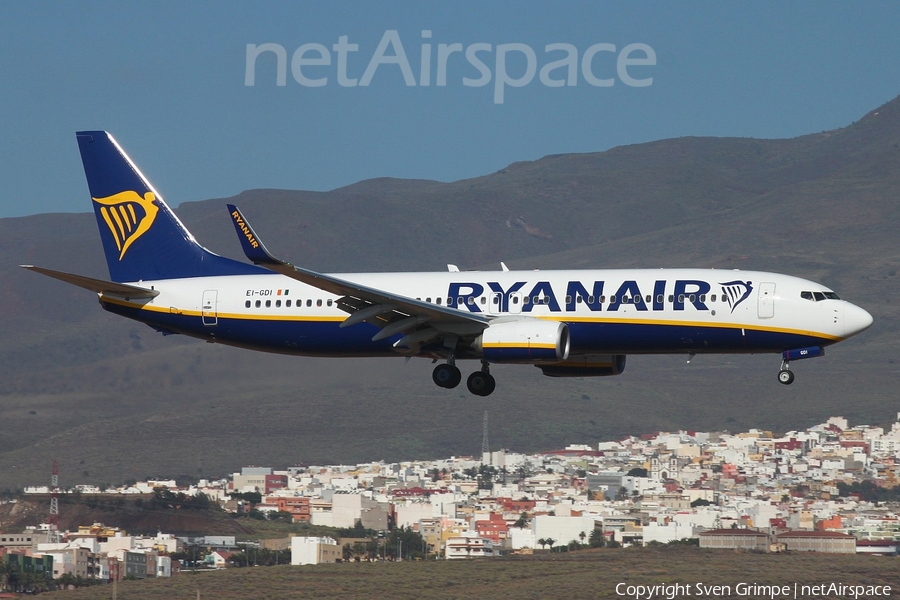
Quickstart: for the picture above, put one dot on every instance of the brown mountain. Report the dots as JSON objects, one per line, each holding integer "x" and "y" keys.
{"x": 114, "y": 400}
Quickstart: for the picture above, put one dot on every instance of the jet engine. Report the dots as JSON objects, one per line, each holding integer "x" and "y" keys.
{"x": 524, "y": 341}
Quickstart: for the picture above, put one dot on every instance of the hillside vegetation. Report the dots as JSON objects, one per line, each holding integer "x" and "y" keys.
{"x": 583, "y": 574}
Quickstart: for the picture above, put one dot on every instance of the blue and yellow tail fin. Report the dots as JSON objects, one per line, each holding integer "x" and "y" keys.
{"x": 142, "y": 238}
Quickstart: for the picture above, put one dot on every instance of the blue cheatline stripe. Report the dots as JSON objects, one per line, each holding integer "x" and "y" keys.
{"x": 624, "y": 338}
{"x": 324, "y": 336}
{"x": 519, "y": 354}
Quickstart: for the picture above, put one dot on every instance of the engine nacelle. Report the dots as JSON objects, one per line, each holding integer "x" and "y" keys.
{"x": 524, "y": 341}
{"x": 594, "y": 365}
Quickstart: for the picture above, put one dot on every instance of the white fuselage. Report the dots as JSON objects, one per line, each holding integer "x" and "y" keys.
{"x": 616, "y": 310}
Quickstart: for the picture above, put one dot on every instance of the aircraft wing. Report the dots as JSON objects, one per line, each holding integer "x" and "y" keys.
{"x": 418, "y": 321}
{"x": 106, "y": 288}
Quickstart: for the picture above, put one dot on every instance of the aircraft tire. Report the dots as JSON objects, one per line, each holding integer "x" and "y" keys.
{"x": 446, "y": 376}
{"x": 481, "y": 383}
{"x": 786, "y": 377}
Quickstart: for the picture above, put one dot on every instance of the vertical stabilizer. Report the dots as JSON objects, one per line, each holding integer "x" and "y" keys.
{"x": 142, "y": 238}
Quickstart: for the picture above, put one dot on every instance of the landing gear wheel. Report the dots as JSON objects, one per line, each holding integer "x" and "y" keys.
{"x": 786, "y": 377}
{"x": 481, "y": 383}
{"x": 446, "y": 376}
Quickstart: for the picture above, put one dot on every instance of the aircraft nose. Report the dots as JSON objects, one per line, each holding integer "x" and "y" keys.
{"x": 856, "y": 319}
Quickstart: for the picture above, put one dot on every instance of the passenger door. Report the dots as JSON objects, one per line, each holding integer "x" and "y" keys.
{"x": 208, "y": 308}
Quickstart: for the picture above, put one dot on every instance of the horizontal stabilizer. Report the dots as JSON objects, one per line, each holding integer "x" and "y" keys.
{"x": 107, "y": 288}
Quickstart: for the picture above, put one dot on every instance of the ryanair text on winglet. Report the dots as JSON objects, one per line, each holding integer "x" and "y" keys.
{"x": 244, "y": 229}
{"x": 308, "y": 60}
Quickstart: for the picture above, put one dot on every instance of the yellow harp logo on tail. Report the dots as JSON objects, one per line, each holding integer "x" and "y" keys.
{"x": 128, "y": 216}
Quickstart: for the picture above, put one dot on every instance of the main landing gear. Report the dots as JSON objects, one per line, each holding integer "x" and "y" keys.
{"x": 480, "y": 383}
{"x": 785, "y": 375}
{"x": 446, "y": 376}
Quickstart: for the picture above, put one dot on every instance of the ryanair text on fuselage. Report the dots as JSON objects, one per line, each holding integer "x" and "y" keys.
{"x": 681, "y": 292}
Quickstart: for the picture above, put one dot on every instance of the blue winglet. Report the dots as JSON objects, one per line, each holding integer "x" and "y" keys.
{"x": 252, "y": 245}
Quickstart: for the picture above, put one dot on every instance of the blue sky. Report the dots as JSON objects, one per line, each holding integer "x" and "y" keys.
{"x": 168, "y": 80}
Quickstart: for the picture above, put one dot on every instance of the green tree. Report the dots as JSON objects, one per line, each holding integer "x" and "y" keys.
{"x": 359, "y": 550}
{"x": 412, "y": 543}
{"x": 870, "y": 491}
{"x": 13, "y": 576}
{"x": 4, "y": 570}
{"x": 522, "y": 522}
{"x": 524, "y": 471}
{"x": 251, "y": 497}
{"x": 260, "y": 557}
{"x": 597, "y": 539}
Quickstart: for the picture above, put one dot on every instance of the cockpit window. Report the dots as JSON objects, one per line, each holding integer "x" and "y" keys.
{"x": 819, "y": 296}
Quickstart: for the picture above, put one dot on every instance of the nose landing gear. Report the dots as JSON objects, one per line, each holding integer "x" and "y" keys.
{"x": 785, "y": 375}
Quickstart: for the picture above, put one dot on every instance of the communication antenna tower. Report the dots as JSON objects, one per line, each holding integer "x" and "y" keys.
{"x": 485, "y": 446}
{"x": 53, "y": 538}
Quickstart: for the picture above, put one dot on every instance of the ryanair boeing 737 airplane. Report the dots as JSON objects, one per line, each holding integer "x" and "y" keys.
{"x": 567, "y": 323}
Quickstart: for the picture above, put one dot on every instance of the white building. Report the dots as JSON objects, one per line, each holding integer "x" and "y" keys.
{"x": 410, "y": 514}
{"x": 346, "y": 509}
{"x": 521, "y": 538}
{"x": 468, "y": 545}
{"x": 163, "y": 566}
{"x": 314, "y": 550}
{"x": 562, "y": 530}
{"x": 654, "y": 532}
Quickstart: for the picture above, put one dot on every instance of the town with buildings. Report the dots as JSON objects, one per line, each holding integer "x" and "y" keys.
{"x": 830, "y": 488}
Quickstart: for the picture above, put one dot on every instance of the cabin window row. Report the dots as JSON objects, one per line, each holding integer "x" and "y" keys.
{"x": 514, "y": 299}
{"x": 468, "y": 300}
{"x": 287, "y": 303}
{"x": 660, "y": 299}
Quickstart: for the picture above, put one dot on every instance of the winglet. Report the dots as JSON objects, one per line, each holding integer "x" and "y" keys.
{"x": 252, "y": 245}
